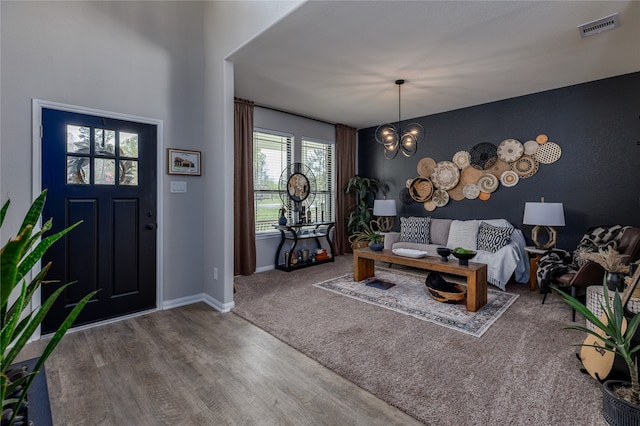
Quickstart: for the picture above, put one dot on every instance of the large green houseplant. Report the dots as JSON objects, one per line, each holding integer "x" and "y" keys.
{"x": 361, "y": 213}
{"x": 618, "y": 338}
{"x": 18, "y": 321}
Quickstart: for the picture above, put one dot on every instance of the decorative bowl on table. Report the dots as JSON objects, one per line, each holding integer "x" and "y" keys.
{"x": 444, "y": 253}
{"x": 376, "y": 246}
{"x": 463, "y": 258}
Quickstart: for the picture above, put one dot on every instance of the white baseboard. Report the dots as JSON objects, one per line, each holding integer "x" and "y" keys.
{"x": 216, "y": 304}
{"x": 182, "y": 301}
{"x": 265, "y": 268}
{"x": 202, "y": 297}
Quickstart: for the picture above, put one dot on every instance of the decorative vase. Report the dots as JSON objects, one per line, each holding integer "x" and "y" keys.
{"x": 376, "y": 246}
{"x": 615, "y": 410}
{"x": 615, "y": 281}
{"x": 282, "y": 220}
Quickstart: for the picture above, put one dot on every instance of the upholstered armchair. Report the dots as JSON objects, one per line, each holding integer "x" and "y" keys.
{"x": 562, "y": 269}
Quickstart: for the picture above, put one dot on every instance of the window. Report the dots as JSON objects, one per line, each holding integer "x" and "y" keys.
{"x": 318, "y": 156}
{"x": 273, "y": 152}
{"x": 93, "y": 162}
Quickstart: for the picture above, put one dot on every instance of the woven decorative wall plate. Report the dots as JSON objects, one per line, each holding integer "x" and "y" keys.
{"x": 542, "y": 138}
{"x": 462, "y": 159}
{"x": 483, "y": 155}
{"x": 471, "y": 191}
{"x": 525, "y": 167}
{"x": 456, "y": 193}
{"x": 445, "y": 175}
{"x": 429, "y": 205}
{"x": 484, "y": 196}
{"x": 405, "y": 197}
{"x": 548, "y": 153}
{"x": 440, "y": 197}
{"x": 426, "y": 166}
{"x": 499, "y": 168}
{"x": 470, "y": 175}
{"x": 509, "y": 178}
{"x": 530, "y": 147}
{"x": 488, "y": 183}
{"x": 420, "y": 189}
{"x": 510, "y": 150}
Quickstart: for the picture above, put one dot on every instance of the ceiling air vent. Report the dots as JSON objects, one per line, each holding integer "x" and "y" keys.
{"x": 599, "y": 25}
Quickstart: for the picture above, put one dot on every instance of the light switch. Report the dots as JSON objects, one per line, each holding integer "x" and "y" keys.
{"x": 178, "y": 187}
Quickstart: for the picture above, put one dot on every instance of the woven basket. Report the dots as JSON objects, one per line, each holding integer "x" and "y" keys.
{"x": 360, "y": 244}
{"x": 446, "y": 297}
{"x": 595, "y": 296}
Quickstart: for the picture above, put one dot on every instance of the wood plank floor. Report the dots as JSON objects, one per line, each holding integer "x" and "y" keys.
{"x": 195, "y": 366}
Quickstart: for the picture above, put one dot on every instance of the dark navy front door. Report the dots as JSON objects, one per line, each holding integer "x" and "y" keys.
{"x": 101, "y": 171}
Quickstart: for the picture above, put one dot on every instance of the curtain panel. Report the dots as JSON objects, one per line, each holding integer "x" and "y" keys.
{"x": 345, "y": 170}
{"x": 244, "y": 248}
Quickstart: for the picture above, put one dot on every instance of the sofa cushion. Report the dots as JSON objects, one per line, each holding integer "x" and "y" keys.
{"x": 439, "y": 231}
{"x": 414, "y": 229}
{"x": 463, "y": 233}
{"x": 493, "y": 238}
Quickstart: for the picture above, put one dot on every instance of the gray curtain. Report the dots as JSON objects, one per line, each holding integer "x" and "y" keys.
{"x": 345, "y": 170}
{"x": 244, "y": 255}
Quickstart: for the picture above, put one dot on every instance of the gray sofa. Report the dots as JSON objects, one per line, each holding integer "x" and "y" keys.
{"x": 503, "y": 261}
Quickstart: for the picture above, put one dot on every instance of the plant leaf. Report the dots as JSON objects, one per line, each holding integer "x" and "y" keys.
{"x": 33, "y": 215}
{"x": 3, "y": 212}
{"x": 36, "y": 254}
{"x": 30, "y": 328}
{"x": 9, "y": 258}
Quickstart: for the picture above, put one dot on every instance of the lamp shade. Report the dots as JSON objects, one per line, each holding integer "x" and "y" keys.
{"x": 543, "y": 214}
{"x": 384, "y": 208}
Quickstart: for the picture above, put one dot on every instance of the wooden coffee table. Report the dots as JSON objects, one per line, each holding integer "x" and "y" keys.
{"x": 475, "y": 273}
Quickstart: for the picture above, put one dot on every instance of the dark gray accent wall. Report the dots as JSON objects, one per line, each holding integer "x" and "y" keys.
{"x": 597, "y": 178}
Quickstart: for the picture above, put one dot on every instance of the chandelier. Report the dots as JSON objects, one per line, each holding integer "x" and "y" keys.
{"x": 395, "y": 139}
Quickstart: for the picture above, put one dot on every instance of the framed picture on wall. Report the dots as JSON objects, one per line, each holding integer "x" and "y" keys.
{"x": 184, "y": 162}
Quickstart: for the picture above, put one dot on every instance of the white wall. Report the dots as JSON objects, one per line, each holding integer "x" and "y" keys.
{"x": 266, "y": 245}
{"x": 138, "y": 58}
{"x": 163, "y": 60}
{"x": 228, "y": 25}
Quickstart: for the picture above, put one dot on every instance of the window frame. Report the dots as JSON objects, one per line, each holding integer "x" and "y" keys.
{"x": 294, "y": 155}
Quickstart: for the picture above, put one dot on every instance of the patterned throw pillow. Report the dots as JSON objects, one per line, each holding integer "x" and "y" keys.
{"x": 493, "y": 238}
{"x": 415, "y": 229}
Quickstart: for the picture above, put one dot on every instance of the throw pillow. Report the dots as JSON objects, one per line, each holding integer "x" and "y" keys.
{"x": 414, "y": 229}
{"x": 493, "y": 238}
{"x": 463, "y": 233}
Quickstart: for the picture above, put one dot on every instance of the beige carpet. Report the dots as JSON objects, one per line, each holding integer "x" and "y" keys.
{"x": 522, "y": 371}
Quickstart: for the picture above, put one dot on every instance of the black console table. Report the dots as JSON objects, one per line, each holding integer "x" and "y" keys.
{"x": 304, "y": 231}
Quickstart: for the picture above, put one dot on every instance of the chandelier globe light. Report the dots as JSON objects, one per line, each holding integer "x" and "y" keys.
{"x": 395, "y": 138}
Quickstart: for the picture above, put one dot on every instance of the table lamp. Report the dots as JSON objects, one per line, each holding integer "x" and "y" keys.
{"x": 386, "y": 212}
{"x": 543, "y": 216}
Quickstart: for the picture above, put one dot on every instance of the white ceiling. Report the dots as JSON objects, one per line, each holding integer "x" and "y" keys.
{"x": 337, "y": 60}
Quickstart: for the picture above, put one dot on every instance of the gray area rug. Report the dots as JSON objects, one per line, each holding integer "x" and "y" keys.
{"x": 522, "y": 371}
{"x": 409, "y": 296}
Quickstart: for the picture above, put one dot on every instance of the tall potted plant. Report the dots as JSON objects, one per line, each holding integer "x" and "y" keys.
{"x": 621, "y": 401}
{"x": 361, "y": 213}
{"x": 18, "y": 321}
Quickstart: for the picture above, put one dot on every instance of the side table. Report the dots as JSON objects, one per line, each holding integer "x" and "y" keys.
{"x": 534, "y": 256}
{"x": 595, "y": 296}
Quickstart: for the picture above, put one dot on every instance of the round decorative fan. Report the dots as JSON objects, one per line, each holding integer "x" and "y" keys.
{"x": 297, "y": 183}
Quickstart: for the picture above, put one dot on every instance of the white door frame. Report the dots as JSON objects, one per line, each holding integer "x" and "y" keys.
{"x": 36, "y": 174}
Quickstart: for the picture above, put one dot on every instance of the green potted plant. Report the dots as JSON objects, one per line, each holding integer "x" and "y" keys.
{"x": 620, "y": 399}
{"x": 361, "y": 212}
{"x": 18, "y": 321}
{"x": 369, "y": 235}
